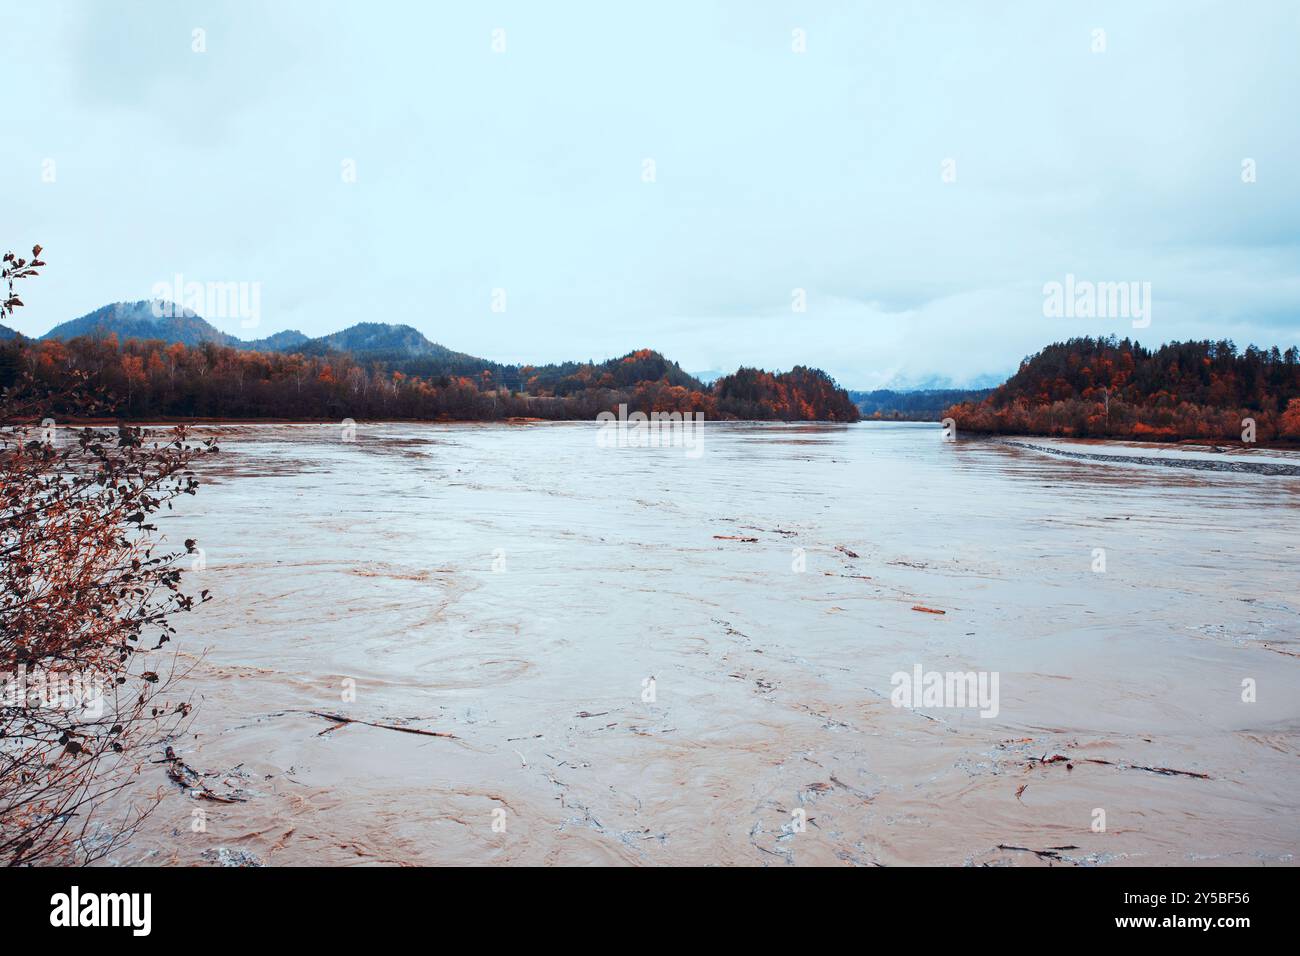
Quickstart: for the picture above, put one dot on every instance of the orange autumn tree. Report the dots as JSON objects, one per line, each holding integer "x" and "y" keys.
{"x": 1290, "y": 423}
{"x": 86, "y": 598}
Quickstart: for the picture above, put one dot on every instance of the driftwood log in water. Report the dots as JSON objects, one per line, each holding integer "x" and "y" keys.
{"x": 1122, "y": 765}
{"x": 1051, "y": 853}
{"x": 190, "y": 780}
{"x": 340, "y": 721}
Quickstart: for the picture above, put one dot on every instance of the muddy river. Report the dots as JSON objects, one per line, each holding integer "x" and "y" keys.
{"x": 723, "y": 654}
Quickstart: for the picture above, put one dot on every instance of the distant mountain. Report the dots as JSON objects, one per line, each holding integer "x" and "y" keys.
{"x": 285, "y": 341}
{"x": 800, "y": 393}
{"x": 399, "y": 346}
{"x": 933, "y": 383}
{"x": 922, "y": 405}
{"x": 402, "y": 349}
{"x": 319, "y": 377}
{"x": 709, "y": 376}
{"x": 367, "y": 338}
{"x": 8, "y": 333}
{"x": 145, "y": 319}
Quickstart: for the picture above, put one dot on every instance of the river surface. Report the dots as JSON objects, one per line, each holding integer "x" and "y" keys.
{"x": 628, "y": 678}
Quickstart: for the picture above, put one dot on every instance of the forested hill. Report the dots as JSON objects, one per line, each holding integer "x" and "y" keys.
{"x": 151, "y": 379}
{"x": 1106, "y": 387}
{"x": 570, "y": 378}
{"x": 801, "y": 394}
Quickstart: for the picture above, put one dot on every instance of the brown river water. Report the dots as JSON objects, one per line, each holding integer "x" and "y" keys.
{"x": 630, "y": 681}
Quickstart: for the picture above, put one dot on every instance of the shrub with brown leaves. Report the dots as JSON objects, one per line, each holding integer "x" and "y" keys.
{"x": 86, "y": 599}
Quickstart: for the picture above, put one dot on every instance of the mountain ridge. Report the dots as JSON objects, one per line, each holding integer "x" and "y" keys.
{"x": 151, "y": 319}
{"x": 402, "y": 350}
{"x": 400, "y": 347}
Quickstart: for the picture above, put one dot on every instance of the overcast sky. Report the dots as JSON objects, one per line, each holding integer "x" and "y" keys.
{"x": 133, "y": 158}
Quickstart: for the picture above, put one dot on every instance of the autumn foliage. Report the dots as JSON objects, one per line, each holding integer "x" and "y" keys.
{"x": 155, "y": 380}
{"x": 802, "y": 394}
{"x": 86, "y": 600}
{"x": 1107, "y": 388}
